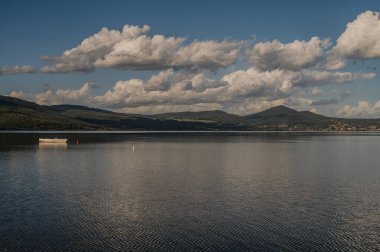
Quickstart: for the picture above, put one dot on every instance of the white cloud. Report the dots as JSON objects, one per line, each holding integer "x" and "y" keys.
{"x": 232, "y": 88}
{"x": 361, "y": 39}
{"x": 133, "y": 49}
{"x": 362, "y": 109}
{"x": 200, "y": 83}
{"x": 134, "y": 93}
{"x": 230, "y": 92}
{"x": 160, "y": 81}
{"x": 335, "y": 61}
{"x": 60, "y": 96}
{"x": 210, "y": 55}
{"x": 292, "y": 56}
{"x": 17, "y": 69}
{"x": 281, "y": 73}
{"x": 239, "y": 91}
{"x": 282, "y": 83}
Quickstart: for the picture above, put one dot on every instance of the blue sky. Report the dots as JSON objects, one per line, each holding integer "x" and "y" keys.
{"x": 32, "y": 29}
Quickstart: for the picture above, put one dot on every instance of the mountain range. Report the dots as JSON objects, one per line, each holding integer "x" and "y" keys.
{"x": 17, "y": 114}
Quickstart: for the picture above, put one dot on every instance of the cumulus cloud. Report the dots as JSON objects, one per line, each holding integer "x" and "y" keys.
{"x": 231, "y": 91}
{"x": 296, "y": 55}
{"x": 60, "y": 96}
{"x": 362, "y": 109}
{"x": 210, "y": 55}
{"x": 17, "y": 69}
{"x": 360, "y": 40}
{"x": 160, "y": 81}
{"x": 335, "y": 61}
{"x": 231, "y": 88}
{"x": 134, "y": 93}
{"x": 278, "y": 74}
{"x": 236, "y": 91}
{"x": 282, "y": 83}
{"x": 133, "y": 49}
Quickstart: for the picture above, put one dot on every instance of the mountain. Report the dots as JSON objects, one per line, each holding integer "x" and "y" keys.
{"x": 281, "y": 115}
{"x": 121, "y": 121}
{"x": 23, "y": 115}
{"x": 94, "y": 116}
{"x": 17, "y": 114}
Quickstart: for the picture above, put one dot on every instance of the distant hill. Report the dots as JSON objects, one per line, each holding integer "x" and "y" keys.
{"x": 67, "y": 107}
{"x": 213, "y": 116}
{"x": 17, "y": 114}
{"x": 94, "y": 116}
{"x": 284, "y": 116}
{"x": 121, "y": 121}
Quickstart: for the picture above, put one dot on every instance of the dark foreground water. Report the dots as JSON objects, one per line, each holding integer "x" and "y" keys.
{"x": 191, "y": 191}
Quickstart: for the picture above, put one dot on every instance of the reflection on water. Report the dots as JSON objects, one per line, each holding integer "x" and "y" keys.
{"x": 52, "y": 145}
{"x": 200, "y": 191}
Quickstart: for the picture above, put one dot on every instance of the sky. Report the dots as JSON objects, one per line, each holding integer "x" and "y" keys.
{"x": 168, "y": 56}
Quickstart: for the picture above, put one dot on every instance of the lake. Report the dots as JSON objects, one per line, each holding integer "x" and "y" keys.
{"x": 261, "y": 191}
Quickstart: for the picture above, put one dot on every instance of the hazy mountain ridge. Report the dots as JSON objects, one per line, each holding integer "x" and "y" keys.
{"x": 17, "y": 114}
{"x": 212, "y": 116}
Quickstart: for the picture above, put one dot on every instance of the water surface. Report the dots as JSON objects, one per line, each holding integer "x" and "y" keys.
{"x": 191, "y": 191}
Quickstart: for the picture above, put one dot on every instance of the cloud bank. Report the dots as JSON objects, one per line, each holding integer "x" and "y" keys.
{"x": 294, "y": 56}
{"x": 17, "y": 69}
{"x": 359, "y": 41}
{"x": 361, "y": 109}
{"x": 133, "y": 49}
{"x": 242, "y": 91}
{"x": 186, "y": 75}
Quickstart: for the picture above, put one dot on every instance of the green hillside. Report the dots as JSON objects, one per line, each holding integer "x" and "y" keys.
{"x": 17, "y": 114}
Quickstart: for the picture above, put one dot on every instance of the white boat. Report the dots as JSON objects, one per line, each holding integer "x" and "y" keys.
{"x": 53, "y": 140}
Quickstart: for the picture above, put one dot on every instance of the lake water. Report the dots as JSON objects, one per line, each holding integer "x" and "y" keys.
{"x": 191, "y": 191}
